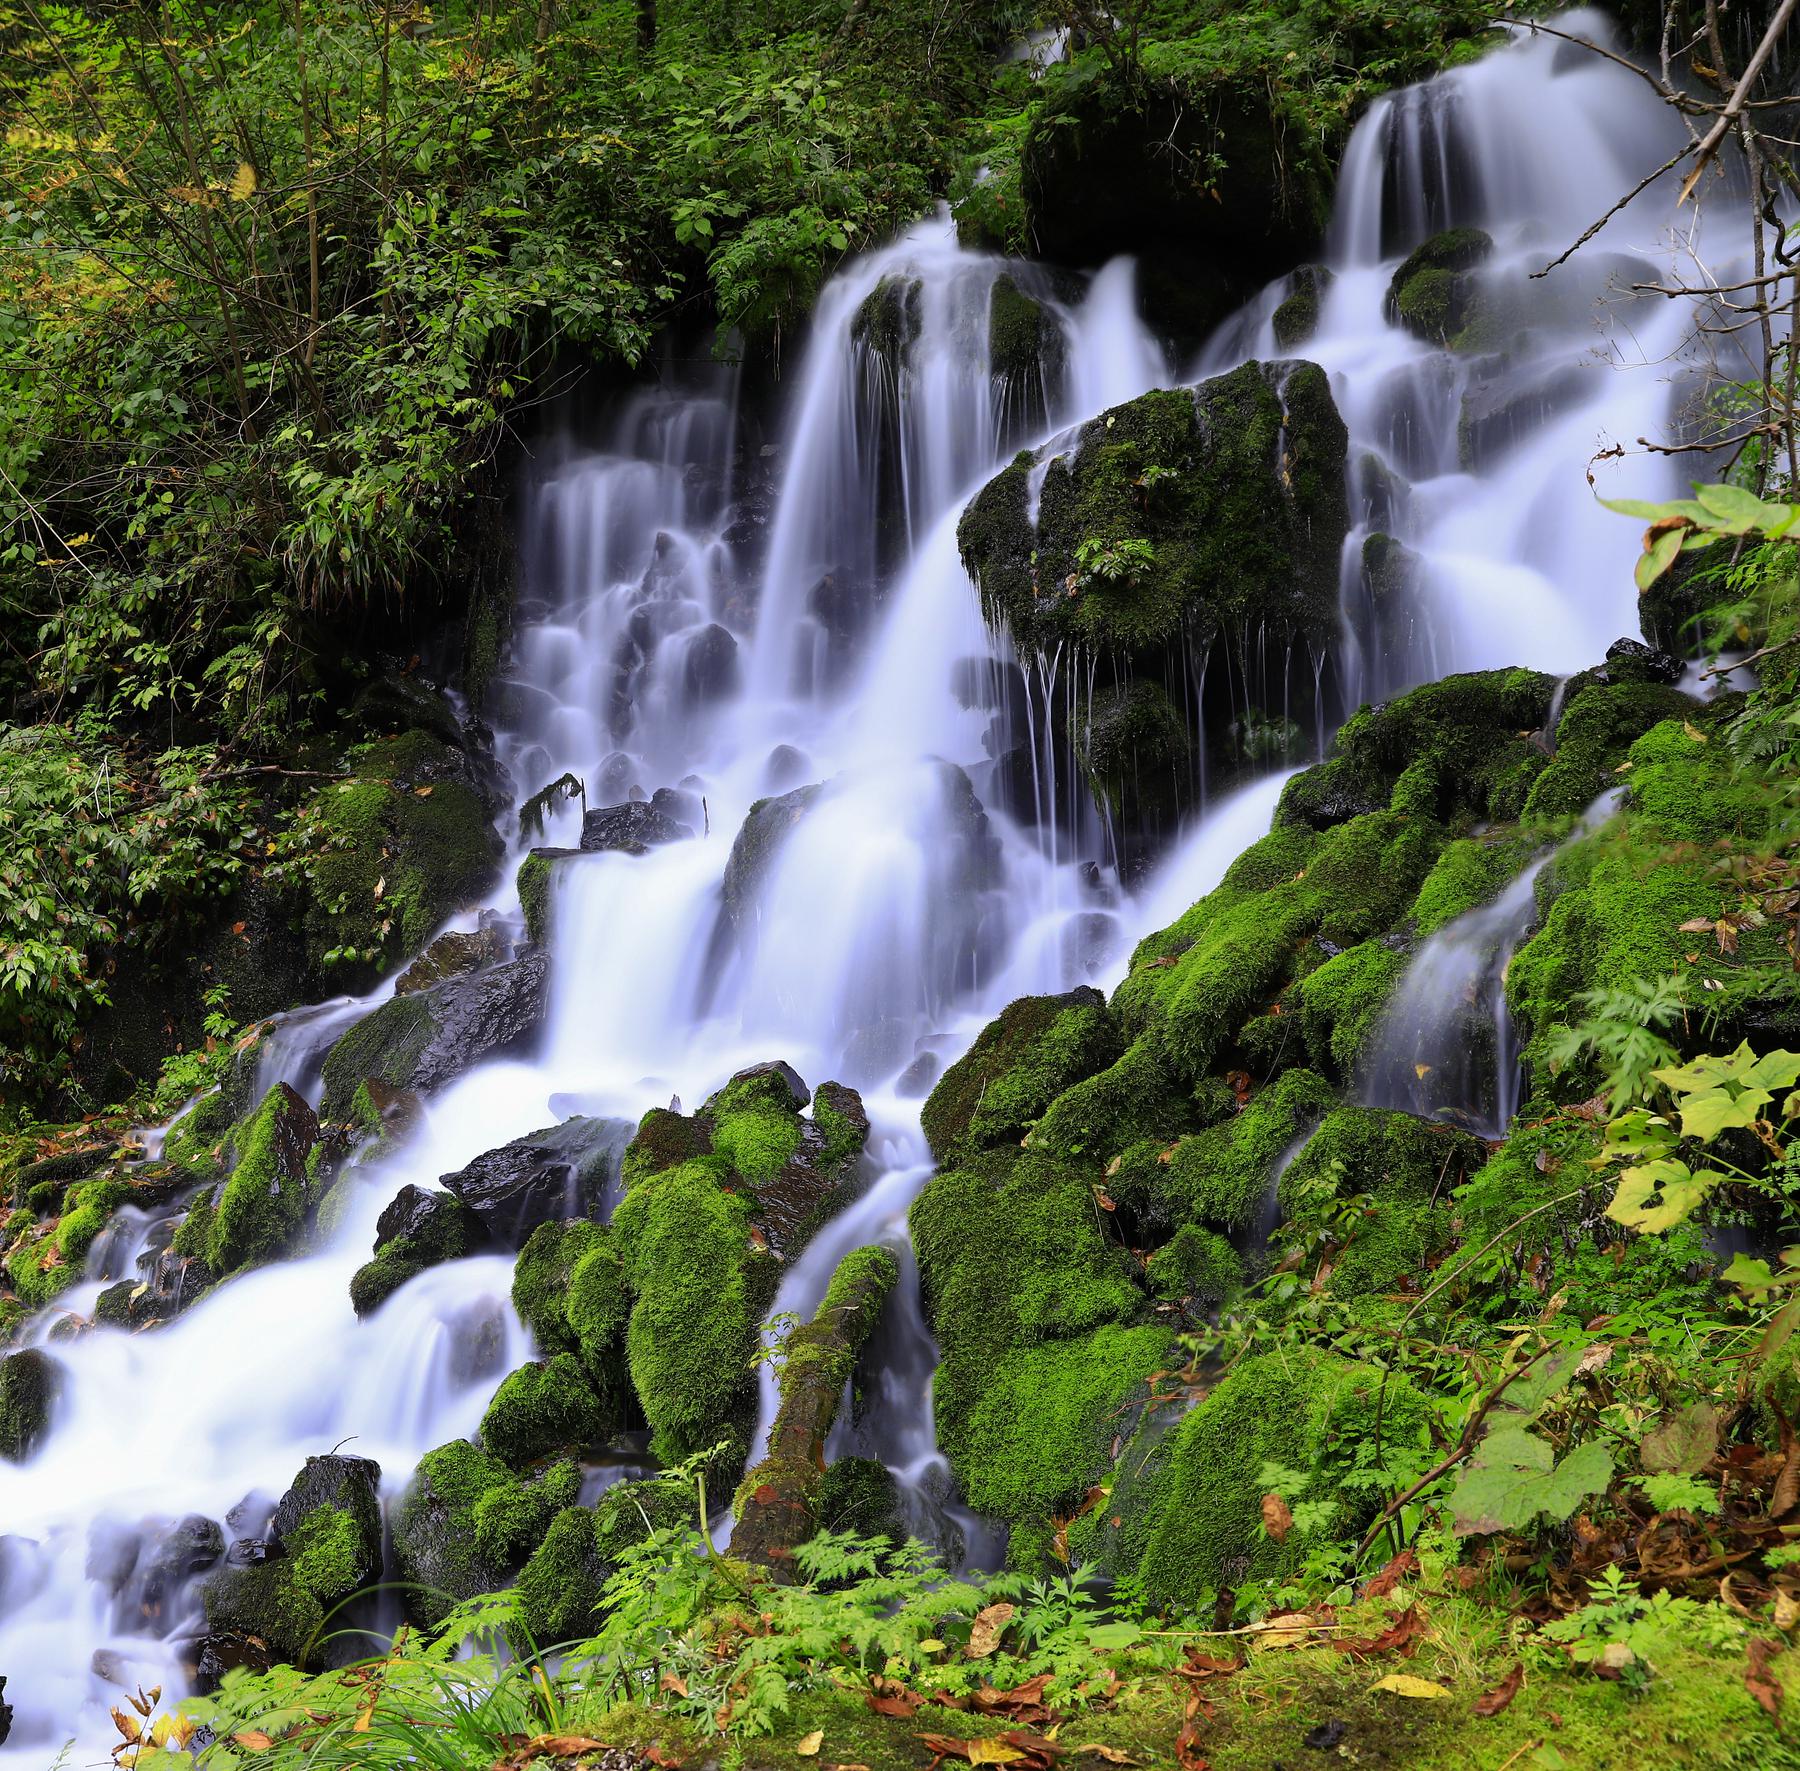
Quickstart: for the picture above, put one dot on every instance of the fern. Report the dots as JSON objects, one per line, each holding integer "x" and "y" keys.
{"x": 1620, "y": 1032}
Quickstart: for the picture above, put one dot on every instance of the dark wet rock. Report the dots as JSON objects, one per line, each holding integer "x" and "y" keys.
{"x": 1501, "y": 408}
{"x": 412, "y": 1212}
{"x": 889, "y": 321}
{"x": 561, "y": 1172}
{"x": 419, "y": 1228}
{"x": 451, "y": 955}
{"x": 420, "y": 1042}
{"x": 1297, "y": 318}
{"x": 785, "y": 766}
{"x": 709, "y": 669}
{"x": 915, "y": 1082}
{"x": 347, "y": 1485}
{"x": 765, "y": 827}
{"x": 1434, "y": 292}
{"x": 777, "y": 1081}
{"x": 633, "y": 828}
{"x": 790, "y": 1206}
{"x": 188, "y": 1548}
{"x": 1631, "y": 661}
{"x": 6, "y": 1714}
{"x": 681, "y": 805}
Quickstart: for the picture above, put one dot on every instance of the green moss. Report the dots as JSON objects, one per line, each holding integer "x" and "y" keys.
{"x": 197, "y": 1140}
{"x": 1296, "y": 319}
{"x": 699, "y": 1288}
{"x": 1196, "y": 1264}
{"x": 1042, "y": 1423}
{"x": 861, "y": 1494}
{"x": 430, "y": 853}
{"x": 533, "y": 883}
{"x": 30, "y": 1383}
{"x": 665, "y": 1139}
{"x": 757, "y": 1143}
{"x": 1025, "y": 344}
{"x": 1232, "y": 543}
{"x": 265, "y": 1201}
{"x": 889, "y": 319}
{"x": 1036, "y": 1048}
{"x": 541, "y": 1279}
{"x": 383, "y": 1047}
{"x": 269, "y": 1603}
{"x": 1134, "y": 751}
{"x": 542, "y": 1407}
{"x": 1392, "y": 1156}
{"x": 1305, "y": 1410}
{"x": 462, "y": 1525}
{"x": 510, "y": 1518}
{"x": 1470, "y": 872}
{"x": 844, "y": 1136}
{"x": 1139, "y": 1096}
{"x": 1390, "y": 1250}
{"x": 570, "y": 1289}
{"x": 1432, "y": 294}
{"x": 1342, "y": 1004}
{"x": 1597, "y": 727}
{"x": 1222, "y": 1175}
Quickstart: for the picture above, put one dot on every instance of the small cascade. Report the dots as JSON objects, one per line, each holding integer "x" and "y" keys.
{"x": 1447, "y": 1047}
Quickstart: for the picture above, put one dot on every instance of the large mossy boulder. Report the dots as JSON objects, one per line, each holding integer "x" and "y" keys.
{"x": 467, "y": 1523}
{"x": 1435, "y": 291}
{"x": 417, "y": 1229}
{"x": 1183, "y": 514}
{"x": 324, "y": 1546}
{"x": 426, "y": 1038}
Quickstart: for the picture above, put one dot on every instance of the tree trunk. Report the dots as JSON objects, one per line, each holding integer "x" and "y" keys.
{"x": 646, "y": 26}
{"x": 778, "y": 1501}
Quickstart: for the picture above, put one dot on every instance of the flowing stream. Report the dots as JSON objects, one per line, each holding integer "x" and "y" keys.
{"x": 725, "y": 624}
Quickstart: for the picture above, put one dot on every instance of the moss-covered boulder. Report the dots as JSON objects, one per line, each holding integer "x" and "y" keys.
{"x": 422, "y": 1040}
{"x": 30, "y": 1383}
{"x": 544, "y": 1407}
{"x": 1021, "y": 1061}
{"x": 766, "y": 825}
{"x": 467, "y": 1523}
{"x": 1136, "y": 754}
{"x": 418, "y": 1228}
{"x": 397, "y": 848}
{"x": 570, "y": 1290}
{"x": 1185, "y": 513}
{"x": 1434, "y": 293}
{"x": 1041, "y": 1326}
{"x": 1027, "y": 355}
{"x": 324, "y": 1546}
{"x": 536, "y": 885}
{"x": 259, "y": 1211}
{"x": 888, "y": 322}
{"x": 1296, "y": 319}
{"x": 1600, "y": 723}
{"x": 561, "y": 1585}
{"x": 1189, "y": 1519}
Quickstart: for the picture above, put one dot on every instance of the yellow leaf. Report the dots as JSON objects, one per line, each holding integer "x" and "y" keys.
{"x": 1787, "y": 1612}
{"x": 1111, "y": 1754}
{"x": 243, "y": 183}
{"x": 380, "y": 887}
{"x": 1693, "y": 731}
{"x": 253, "y": 1740}
{"x": 1411, "y": 1685}
{"x": 931, "y": 1645}
{"x": 993, "y": 1752}
{"x": 807, "y": 1746}
{"x": 1288, "y": 1630}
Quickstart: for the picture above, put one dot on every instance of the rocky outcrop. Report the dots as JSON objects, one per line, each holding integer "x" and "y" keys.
{"x": 30, "y": 1383}
{"x": 419, "y": 1228}
{"x": 424, "y": 1039}
{"x": 561, "y": 1172}
{"x": 260, "y": 1208}
{"x": 637, "y": 826}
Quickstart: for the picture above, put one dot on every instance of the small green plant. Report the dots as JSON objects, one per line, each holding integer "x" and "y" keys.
{"x": 1112, "y": 562}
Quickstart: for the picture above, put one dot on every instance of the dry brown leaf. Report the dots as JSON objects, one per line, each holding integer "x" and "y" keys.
{"x": 898, "y": 1702}
{"x": 1787, "y": 1612}
{"x": 807, "y": 1746}
{"x": 253, "y": 1740}
{"x": 674, "y": 1682}
{"x": 990, "y": 1624}
{"x": 1111, "y": 1754}
{"x": 1400, "y": 1637}
{"x": 1380, "y": 1585}
{"x": 1491, "y": 1703}
{"x": 1759, "y": 1681}
{"x": 1277, "y": 1518}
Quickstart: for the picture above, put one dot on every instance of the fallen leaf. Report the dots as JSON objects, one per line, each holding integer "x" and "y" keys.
{"x": 1787, "y": 1612}
{"x": 676, "y": 1683}
{"x": 1111, "y": 1754}
{"x": 1277, "y": 1519}
{"x": 1381, "y": 1584}
{"x": 976, "y": 1752}
{"x": 1187, "y": 1749}
{"x": 1411, "y": 1685}
{"x": 253, "y": 1740}
{"x": 657, "y": 1756}
{"x": 1693, "y": 731}
{"x": 807, "y": 1746}
{"x": 1491, "y": 1703}
{"x": 901, "y": 1703}
{"x": 1400, "y": 1637}
{"x": 1288, "y": 1630}
{"x": 1759, "y": 1681}
{"x": 1201, "y": 1665}
{"x": 990, "y": 1624}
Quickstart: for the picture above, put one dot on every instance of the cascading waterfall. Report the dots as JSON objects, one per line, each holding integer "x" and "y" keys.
{"x": 662, "y": 650}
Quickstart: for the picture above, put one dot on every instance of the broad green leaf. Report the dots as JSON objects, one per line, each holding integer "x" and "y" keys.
{"x": 1657, "y": 558}
{"x": 1514, "y": 1477}
{"x": 1777, "y": 1069}
{"x": 1684, "y": 1441}
{"x": 1705, "y": 1071}
{"x": 1656, "y": 1196}
{"x": 1637, "y": 1134}
{"x": 1690, "y": 508}
{"x": 1705, "y": 1115}
{"x": 1734, "y": 510}
{"x": 1751, "y": 1275}
{"x": 1548, "y": 1377}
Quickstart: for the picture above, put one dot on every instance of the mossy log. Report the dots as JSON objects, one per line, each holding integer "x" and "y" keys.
{"x": 778, "y": 1502}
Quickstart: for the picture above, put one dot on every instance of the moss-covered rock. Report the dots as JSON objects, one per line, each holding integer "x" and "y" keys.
{"x": 1297, "y": 317}
{"x": 262, "y": 1207}
{"x": 400, "y": 846}
{"x": 1036, "y": 1048}
{"x": 535, "y": 883}
{"x": 325, "y": 1545}
{"x": 570, "y": 1290}
{"x": 466, "y": 1524}
{"x": 1025, "y": 345}
{"x": 1196, "y": 1265}
{"x": 861, "y": 1494}
{"x": 417, "y": 1230}
{"x": 544, "y": 1407}
{"x": 1432, "y": 294}
{"x": 1394, "y": 1157}
{"x": 1597, "y": 728}
{"x": 1186, "y": 512}
{"x": 30, "y": 1383}
{"x": 1342, "y": 1003}
{"x": 1310, "y": 1412}
{"x": 1136, "y": 755}
{"x": 887, "y": 323}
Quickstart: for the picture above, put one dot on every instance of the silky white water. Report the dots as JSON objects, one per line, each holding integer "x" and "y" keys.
{"x": 663, "y": 645}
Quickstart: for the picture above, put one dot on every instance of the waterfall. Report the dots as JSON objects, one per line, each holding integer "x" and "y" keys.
{"x": 677, "y": 635}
